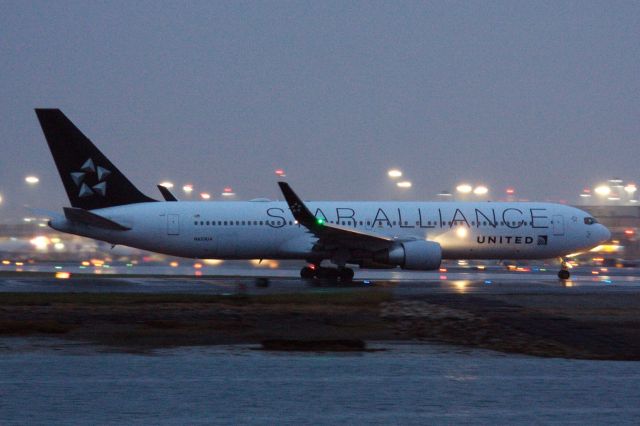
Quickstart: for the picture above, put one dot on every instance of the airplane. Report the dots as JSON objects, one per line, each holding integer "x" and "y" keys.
{"x": 106, "y": 206}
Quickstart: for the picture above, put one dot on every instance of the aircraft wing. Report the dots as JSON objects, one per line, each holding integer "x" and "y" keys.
{"x": 331, "y": 235}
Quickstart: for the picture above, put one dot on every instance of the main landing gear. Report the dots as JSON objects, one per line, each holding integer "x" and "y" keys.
{"x": 343, "y": 275}
{"x": 564, "y": 273}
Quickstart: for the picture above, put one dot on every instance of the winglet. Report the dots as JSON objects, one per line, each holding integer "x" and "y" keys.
{"x": 166, "y": 194}
{"x": 299, "y": 210}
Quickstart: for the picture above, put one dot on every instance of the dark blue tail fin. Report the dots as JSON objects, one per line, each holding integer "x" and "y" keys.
{"x": 90, "y": 179}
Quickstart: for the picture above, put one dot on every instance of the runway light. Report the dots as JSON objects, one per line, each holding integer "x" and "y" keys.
{"x": 205, "y": 196}
{"x": 603, "y": 190}
{"x": 481, "y": 190}
{"x": 173, "y": 264}
{"x": 629, "y": 232}
{"x": 510, "y": 191}
{"x": 167, "y": 184}
{"x": 188, "y": 188}
{"x": 63, "y": 275}
{"x": 460, "y": 285}
{"x": 40, "y": 242}
{"x": 394, "y": 173}
{"x": 630, "y": 188}
{"x": 197, "y": 265}
{"x": 404, "y": 184}
{"x": 280, "y": 172}
{"x": 464, "y": 188}
{"x": 6, "y": 262}
{"x": 31, "y": 180}
{"x": 228, "y": 192}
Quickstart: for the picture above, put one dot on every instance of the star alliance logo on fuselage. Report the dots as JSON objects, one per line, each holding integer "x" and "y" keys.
{"x": 91, "y": 180}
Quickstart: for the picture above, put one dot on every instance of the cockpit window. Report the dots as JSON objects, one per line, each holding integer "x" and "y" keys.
{"x": 590, "y": 221}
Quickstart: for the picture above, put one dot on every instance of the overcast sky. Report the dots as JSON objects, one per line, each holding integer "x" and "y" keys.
{"x": 541, "y": 96}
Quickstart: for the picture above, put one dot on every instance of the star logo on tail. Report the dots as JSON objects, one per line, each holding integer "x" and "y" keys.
{"x": 91, "y": 180}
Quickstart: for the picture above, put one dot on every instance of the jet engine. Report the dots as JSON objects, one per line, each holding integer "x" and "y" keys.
{"x": 418, "y": 255}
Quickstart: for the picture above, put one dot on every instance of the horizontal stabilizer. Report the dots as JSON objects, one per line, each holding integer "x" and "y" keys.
{"x": 89, "y": 218}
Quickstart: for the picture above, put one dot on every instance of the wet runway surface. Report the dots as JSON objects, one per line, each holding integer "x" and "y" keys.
{"x": 285, "y": 281}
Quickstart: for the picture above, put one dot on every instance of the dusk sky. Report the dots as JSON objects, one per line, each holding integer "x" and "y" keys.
{"x": 541, "y": 96}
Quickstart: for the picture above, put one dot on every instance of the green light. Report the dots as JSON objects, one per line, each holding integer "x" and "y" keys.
{"x": 320, "y": 221}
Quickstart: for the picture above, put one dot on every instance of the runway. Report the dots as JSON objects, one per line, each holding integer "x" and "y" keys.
{"x": 249, "y": 281}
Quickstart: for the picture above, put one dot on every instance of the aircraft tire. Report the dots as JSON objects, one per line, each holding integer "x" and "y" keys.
{"x": 307, "y": 273}
{"x": 346, "y": 275}
{"x": 564, "y": 274}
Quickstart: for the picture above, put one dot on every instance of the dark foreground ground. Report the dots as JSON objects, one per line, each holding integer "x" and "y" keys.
{"x": 587, "y": 325}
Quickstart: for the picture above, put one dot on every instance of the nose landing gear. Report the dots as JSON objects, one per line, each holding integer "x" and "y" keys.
{"x": 564, "y": 273}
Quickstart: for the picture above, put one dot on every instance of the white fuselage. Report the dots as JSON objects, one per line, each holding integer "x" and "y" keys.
{"x": 267, "y": 229}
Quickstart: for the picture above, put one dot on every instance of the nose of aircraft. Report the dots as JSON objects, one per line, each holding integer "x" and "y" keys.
{"x": 603, "y": 233}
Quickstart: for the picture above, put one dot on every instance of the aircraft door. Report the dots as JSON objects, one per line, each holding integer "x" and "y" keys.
{"x": 173, "y": 224}
{"x": 558, "y": 224}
